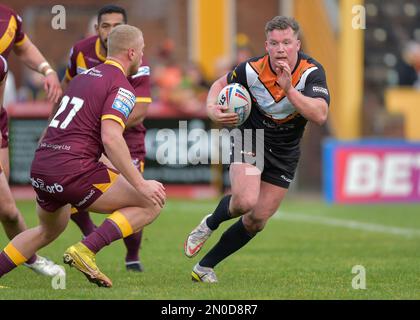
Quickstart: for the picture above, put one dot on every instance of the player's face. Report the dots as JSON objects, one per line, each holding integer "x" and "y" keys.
{"x": 136, "y": 56}
{"x": 282, "y": 45}
{"x": 108, "y": 22}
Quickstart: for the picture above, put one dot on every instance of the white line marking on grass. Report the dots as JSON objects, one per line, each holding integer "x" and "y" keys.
{"x": 350, "y": 224}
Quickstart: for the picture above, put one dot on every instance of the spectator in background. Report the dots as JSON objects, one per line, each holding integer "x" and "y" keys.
{"x": 190, "y": 93}
{"x": 243, "y": 49}
{"x": 168, "y": 73}
{"x": 409, "y": 68}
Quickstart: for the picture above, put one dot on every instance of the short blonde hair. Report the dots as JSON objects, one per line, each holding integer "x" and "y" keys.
{"x": 122, "y": 38}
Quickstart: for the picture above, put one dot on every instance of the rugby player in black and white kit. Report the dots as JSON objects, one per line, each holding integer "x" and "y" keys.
{"x": 288, "y": 89}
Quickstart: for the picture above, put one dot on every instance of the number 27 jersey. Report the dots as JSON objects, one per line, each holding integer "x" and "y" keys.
{"x": 73, "y": 140}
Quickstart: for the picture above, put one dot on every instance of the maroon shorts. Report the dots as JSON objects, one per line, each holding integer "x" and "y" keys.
{"x": 4, "y": 128}
{"x": 80, "y": 189}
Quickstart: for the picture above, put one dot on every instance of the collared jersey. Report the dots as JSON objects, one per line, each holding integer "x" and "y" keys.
{"x": 84, "y": 55}
{"x": 271, "y": 110}
{"x": 73, "y": 141}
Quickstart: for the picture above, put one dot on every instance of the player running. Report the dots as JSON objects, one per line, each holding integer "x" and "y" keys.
{"x": 288, "y": 88}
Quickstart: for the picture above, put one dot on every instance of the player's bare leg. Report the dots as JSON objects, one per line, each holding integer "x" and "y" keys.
{"x": 13, "y": 222}
{"x": 245, "y": 192}
{"x": 245, "y": 189}
{"x": 241, "y": 232}
{"x": 25, "y": 244}
{"x": 269, "y": 201}
{"x": 130, "y": 212}
{"x": 4, "y": 160}
{"x": 10, "y": 216}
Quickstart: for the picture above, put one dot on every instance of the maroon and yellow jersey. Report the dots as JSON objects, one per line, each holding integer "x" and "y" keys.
{"x": 84, "y": 55}
{"x": 11, "y": 33}
{"x": 73, "y": 141}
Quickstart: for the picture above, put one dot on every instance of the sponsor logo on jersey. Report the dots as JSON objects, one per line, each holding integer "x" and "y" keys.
{"x": 320, "y": 89}
{"x": 124, "y": 102}
{"x": 285, "y": 178}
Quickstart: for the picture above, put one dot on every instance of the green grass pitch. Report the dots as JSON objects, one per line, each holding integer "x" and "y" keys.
{"x": 307, "y": 251}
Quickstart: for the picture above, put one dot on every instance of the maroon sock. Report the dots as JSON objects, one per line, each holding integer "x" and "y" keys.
{"x": 6, "y": 265}
{"x": 31, "y": 260}
{"x": 107, "y": 232}
{"x": 132, "y": 243}
{"x": 84, "y": 222}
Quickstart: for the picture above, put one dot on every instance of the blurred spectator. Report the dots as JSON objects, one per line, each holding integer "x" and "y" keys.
{"x": 409, "y": 68}
{"x": 90, "y": 30}
{"x": 33, "y": 88}
{"x": 222, "y": 66}
{"x": 166, "y": 73}
{"x": 243, "y": 49}
{"x": 189, "y": 96}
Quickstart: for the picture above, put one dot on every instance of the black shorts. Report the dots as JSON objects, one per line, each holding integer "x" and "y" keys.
{"x": 278, "y": 165}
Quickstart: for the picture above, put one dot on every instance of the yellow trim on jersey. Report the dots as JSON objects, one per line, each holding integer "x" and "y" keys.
{"x": 18, "y": 44}
{"x": 14, "y": 254}
{"x": 80, "y": 61}
{"x": 9, "y": 35}
{"x": 115, "y": 118}
{"x": 105, "y": 186}
{"x": 141, "y": 166}
{"x": 68, "y": 76}
{"x": 73, "y": 210}
{"x": 98, "y": 50}
{"x": 143, "y": 99}
{"x": 123, "y": 224}
{"x": 115, "y": 64}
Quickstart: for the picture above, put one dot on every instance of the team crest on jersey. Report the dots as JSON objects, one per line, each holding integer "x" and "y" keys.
{"x": 124, "y": 102}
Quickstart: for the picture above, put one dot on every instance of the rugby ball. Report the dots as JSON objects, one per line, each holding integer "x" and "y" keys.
{"x": 236, "y": 97}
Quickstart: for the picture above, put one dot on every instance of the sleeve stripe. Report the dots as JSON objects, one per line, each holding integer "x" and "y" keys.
{"x": 115, "y": 118}
{"x": 21, "y": 41}
{"x": 143, "y": 99}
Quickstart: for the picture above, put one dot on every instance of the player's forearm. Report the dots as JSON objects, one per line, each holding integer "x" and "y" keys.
{"x": 117, "y": 152}
{"x": 31, "y": 56}
{"x": 214, "y": 91}
{"x": 312, "y": 109}
{"x": 138, "y": 114}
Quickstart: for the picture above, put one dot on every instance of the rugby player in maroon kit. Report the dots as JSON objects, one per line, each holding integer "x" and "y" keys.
{"x": 13, "y": 38}
{"x": 66, "y": 168}
{"x": 86, "y": 54}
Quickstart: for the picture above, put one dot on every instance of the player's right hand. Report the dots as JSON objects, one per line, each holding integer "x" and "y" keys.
{"x": 217, "y": 114}
{"x": 154, "y": 191}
